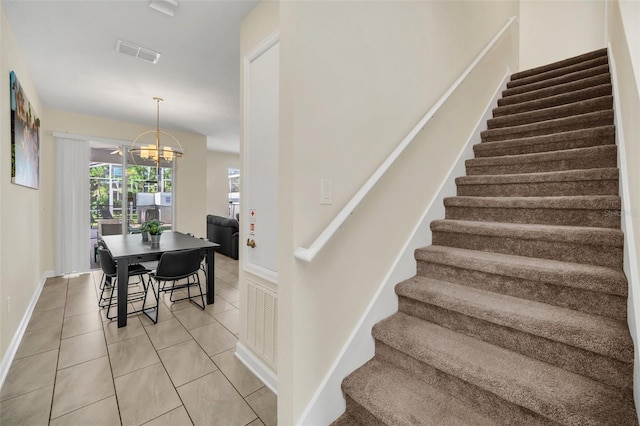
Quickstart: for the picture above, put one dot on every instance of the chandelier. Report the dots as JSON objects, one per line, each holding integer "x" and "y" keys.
{"x": 156, "y": 152}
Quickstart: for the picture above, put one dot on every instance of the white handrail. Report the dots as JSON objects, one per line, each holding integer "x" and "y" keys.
{"x": 307, "y": 254}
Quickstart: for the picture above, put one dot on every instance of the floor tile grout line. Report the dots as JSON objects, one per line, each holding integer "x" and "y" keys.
{"x": 175, "y": 388}
{"x": 229, "y": 379}
{"x": 80, "y": 408}
{"x": 75, "y": 365}
{"x": 67, "y": 294}
{"x": 55, "y": 377}
{"x": 219, "y": 369}
{"x": 104, "y": 335}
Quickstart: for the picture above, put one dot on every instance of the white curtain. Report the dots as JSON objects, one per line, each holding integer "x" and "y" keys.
{"x": 72, "y": 233}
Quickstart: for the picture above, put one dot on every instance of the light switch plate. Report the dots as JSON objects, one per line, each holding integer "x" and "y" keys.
{"x": 326, "y": 191}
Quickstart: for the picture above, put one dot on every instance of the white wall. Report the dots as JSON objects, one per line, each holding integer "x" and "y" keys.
{"x": 624, "y": 24}
{"x": 21, "y": 232}
{"x": 355, "y": 78}
{"x": 218, "y": 164}
{"x": 552, "y": 30}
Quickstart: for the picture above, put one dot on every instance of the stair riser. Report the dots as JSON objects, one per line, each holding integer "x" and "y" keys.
{"x": 497, "y": 149}
{"x": 590, "y": 302}
{"x": 540, "y": 189}
{"x": 595, "y": 366}
{"x": 559, "y": 64}
{"x": 361, "y": 414}
{"x": 587, "y": 161}
{"x": 595, "y": 80}
{"x": 565, "y": 217}
{"x": 592, "y": 105}
{"x": 478, "y": 399}
{"x": 609, "y": 256}
{"x": 559, "y": 72}
{"x": 554, "y": 101}
{"x": 574, "y": 77}
{"x": 547, "y": 128}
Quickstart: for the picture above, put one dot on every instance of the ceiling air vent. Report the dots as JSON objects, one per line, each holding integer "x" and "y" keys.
{"x": 136, "y": 51}
{"x": 168, "y": 7}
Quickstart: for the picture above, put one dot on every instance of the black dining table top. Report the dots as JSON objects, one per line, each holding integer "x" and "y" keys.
{"x": 131, "y": 244}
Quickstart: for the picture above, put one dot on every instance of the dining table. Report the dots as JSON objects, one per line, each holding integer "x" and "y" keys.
{"x": 128, "y": 249}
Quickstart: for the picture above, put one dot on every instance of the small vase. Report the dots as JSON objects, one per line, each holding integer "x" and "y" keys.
{"x": 155, "y": 239}
{"x": 145, "y": 236}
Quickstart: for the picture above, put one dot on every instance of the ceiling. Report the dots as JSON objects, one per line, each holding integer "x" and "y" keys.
{"x": 69, "y": 50}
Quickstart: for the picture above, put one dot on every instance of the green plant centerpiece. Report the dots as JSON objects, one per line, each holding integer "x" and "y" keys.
{"x": 153, "y": 227}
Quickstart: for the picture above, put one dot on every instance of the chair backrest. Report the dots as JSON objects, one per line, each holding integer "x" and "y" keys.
{"x": 107, "y": 263}
{"x": 111, "y": 229}
{"x": 103, "y": 222}
{"x": 151, "y": 213}
{"x": 178, "y": 264}
{"x": 105, "y": 213}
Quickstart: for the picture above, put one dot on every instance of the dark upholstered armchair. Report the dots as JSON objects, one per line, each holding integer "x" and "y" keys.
{"x": 224, "y": 231}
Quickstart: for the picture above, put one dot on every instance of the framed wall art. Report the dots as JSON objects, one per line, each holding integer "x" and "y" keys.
{"x": 25, "y": 138}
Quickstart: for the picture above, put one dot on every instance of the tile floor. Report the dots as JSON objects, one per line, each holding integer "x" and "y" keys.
{"x": 74, "y": 367}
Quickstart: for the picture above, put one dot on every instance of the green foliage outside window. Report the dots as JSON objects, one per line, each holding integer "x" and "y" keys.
{"x": 139, "y": 179}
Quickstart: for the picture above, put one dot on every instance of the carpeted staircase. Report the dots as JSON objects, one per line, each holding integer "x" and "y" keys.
{"x": 517, "y": 314}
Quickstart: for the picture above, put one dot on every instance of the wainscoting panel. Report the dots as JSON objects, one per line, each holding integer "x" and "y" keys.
{"x": 262, "y": 321}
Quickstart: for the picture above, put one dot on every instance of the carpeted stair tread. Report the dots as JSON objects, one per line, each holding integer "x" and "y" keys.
{"x": 564, "y": 79}
{"x": 591, "y": 92}
{"x": 599, "y": 246}
{"x": 559, "y": 176}
{"x": 346, "y": 420}
{"x": 552, "y": 392}
{"x": 586, "y": 288}
{"x": 558, "y": 183}
{"x": 596, "y": 211}
{"x": 557, "y": 125}
{"x": 592, "y": 333}
{"x": 604, "y": 156}
{"x": 576, "y": 275}
{"x": 610, "y": 202}
{"x": 395, "y": 397}
{"x": 596, "y": 136}
{"x": 560, "y": 64}
{"x": 568, "y": 234}
{"x": 530, "y": 335}
{"x": 552, "y": 112}
{"x": 558, "y": 72}
{"x": 559, "y": 89}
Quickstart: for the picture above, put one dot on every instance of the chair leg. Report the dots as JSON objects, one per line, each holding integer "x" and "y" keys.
{"x": 144, "y": 291}
{"x": 103, "y": 286}
{"x": 113, "y": 290}
{"x": 201, "y": 295}
{"x": 156, "y": 295}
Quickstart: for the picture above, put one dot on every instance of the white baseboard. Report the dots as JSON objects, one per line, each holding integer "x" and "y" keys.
{"x": 257, "y": 367}
{"x": 328, "y": 403}
{"x": 7, "y": 359}
{"x": 631, "y": 267}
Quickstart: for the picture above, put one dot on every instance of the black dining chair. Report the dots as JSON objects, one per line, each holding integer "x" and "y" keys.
{"x": 178, "y": 270}
{"x": 109, "y": 280}
{"x": 203, "y": 257}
